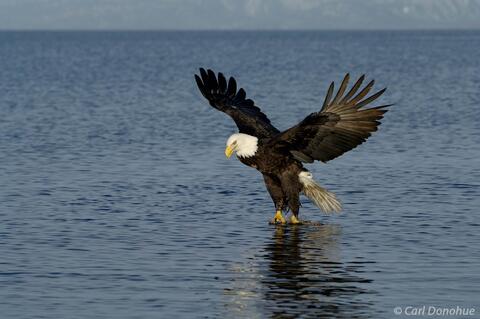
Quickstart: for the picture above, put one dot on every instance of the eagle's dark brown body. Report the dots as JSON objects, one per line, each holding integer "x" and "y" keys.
{"x": 269, "y": 160}
{"x": 280, "y": 172}
{"x": 341, "y": 125}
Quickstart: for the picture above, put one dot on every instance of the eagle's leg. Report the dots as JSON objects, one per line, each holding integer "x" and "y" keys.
{"x": 291, "y": 187}
{"x": 278, "y": 218}
{"x": 294, "y": 205}
{"x": 294, "y": 220}
{"x": 279, "y": 206}
{"x": 276, "y": 192}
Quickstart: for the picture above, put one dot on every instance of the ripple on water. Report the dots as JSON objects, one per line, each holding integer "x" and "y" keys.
{"x": 116, "y": 200}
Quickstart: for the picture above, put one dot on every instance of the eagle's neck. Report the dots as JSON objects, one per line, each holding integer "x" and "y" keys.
{"x": 247, "y": 145}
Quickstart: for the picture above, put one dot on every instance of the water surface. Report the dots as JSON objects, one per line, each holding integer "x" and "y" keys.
{"x": 116, "y": 200}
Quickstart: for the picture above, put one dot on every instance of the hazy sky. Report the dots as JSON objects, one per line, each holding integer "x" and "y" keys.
{"x": 239, "y": 14}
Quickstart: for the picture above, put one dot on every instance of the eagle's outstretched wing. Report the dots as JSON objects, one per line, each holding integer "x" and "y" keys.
{"x": 341, "y": 125}
{"x": 224, "y": 97}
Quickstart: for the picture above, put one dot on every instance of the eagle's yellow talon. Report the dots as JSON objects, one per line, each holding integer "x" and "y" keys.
{"x": 294, "y": 220}
{"x": 278, "y": 218}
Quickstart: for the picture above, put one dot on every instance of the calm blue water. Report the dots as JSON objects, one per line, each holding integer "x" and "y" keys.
{"x": 116, "y": 200}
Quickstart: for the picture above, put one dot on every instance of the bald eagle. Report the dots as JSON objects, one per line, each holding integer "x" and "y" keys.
{"x": 341, "y": 125}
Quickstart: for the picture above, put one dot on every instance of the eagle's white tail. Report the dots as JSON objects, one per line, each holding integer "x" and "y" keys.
{"x": 321, "y": 197}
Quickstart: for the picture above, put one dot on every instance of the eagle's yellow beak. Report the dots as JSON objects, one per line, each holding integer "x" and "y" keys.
{"x": 228, "y": 151}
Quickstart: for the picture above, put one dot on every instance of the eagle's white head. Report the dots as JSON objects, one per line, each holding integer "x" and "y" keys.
{"x": 243, "y": 145}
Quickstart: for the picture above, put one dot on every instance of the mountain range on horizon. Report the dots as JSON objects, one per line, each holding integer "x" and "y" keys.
{"x": 235, "y": 14}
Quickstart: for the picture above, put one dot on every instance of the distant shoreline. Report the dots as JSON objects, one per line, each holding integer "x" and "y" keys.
{"x": 241, "y": 30}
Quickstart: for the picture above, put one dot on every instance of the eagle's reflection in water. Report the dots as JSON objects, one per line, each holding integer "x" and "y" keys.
{"x": 299, "y": 273}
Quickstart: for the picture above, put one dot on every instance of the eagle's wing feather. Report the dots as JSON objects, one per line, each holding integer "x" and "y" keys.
{"x": 224, "y": 96}
{"x": 340, "y": 126}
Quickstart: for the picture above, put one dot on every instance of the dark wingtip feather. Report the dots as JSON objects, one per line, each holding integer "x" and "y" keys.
{"x": 204, "y": 76}
{"x": 241, "y": 95}
{"x": 232, "y": 87}
{"x": 382, "y": 107}
{"x": 363, "y": 92}
{"x": 328, "y": 96}
{"x": 200, "y": 85}
{"x": 354, "y": 89}
{"x": 212, "y": 80}
{"x": 249, "y": 102}
{"x": 222, "y": 83}
{"x": 198, "y": 80}
{"x": 370, "y": 99}
{"x": 342, "y": 89}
